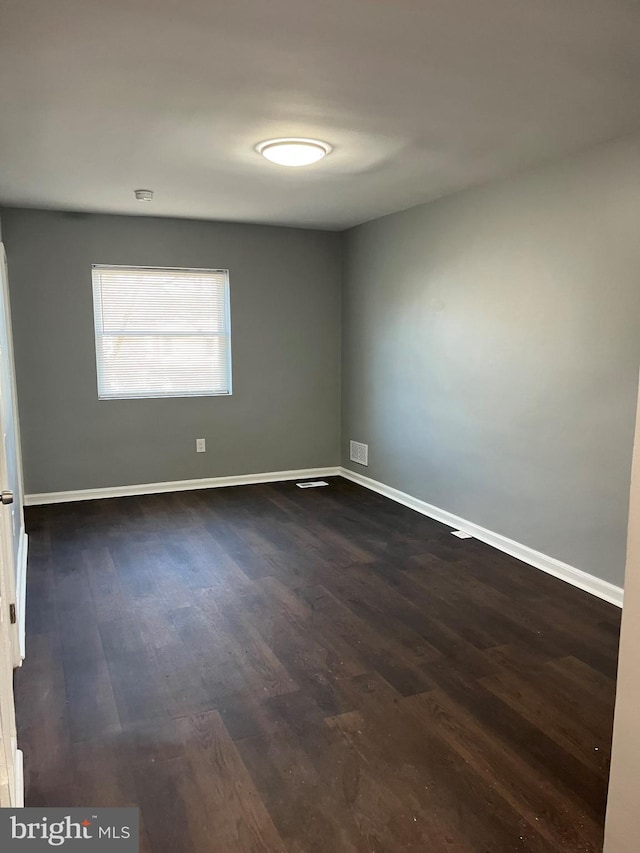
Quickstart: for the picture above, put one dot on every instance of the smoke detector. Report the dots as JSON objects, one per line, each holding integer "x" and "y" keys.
{"x": 143, "y": 195}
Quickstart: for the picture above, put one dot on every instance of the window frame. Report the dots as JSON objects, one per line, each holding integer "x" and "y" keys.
{"x": 99, "y": 333}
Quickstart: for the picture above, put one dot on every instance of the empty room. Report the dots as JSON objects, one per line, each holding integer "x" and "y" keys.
{"x": 319, "y": 362}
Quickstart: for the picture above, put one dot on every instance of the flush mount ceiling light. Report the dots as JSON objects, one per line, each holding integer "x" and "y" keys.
{"x": 293, "y": 151}
{"x": 144, "y": 195}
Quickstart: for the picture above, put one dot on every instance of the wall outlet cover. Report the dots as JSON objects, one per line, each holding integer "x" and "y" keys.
{"x": 201, "y": 445}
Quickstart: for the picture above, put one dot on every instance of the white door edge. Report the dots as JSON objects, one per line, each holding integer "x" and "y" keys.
{"x": 19, "y": 786}
{"x": 21, "y": 593}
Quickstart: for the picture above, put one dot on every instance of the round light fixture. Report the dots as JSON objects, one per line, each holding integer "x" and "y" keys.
{"x": 143, "y": 195}
{"x": 293, "y": 151}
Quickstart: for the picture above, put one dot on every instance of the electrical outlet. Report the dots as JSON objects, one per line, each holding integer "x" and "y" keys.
{"x": 201, "y": 445}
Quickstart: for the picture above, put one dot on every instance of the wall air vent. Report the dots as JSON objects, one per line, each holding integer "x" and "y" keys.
{"x": 359, "y": 452}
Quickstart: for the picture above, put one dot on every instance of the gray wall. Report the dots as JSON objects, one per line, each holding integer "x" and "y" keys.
{"x": 285, "y": 317}
{"x": 491, "y": 344}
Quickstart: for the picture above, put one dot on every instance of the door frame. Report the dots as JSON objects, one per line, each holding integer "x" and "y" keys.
{"x": 621, "y": 826}
{"x": 17, "y": 584}
{"x": 12, "y": 583}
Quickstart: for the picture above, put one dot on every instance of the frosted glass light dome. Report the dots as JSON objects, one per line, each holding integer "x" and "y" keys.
{"x": 293, "y": 151}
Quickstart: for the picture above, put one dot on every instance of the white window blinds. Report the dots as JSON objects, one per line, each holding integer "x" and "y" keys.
{"x": 161, "y": 332}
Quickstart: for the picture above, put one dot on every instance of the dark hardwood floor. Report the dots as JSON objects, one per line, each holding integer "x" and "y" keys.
{"x": 265, "y": 668}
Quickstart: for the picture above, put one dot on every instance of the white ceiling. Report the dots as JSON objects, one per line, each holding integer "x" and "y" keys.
{"x": 419, "y": 98}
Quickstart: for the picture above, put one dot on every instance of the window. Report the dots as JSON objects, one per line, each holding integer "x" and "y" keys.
{"x": 161, "y": 332}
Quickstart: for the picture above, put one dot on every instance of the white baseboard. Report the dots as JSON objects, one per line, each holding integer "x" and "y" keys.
{"x": 600, "y": 588}
{"x": 19, "y": 777}
{"x": 177, "y": 486}
{"x": 21, "y": 592}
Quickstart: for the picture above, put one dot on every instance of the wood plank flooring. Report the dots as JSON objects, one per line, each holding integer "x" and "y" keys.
{"x": 265, "y": 669}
